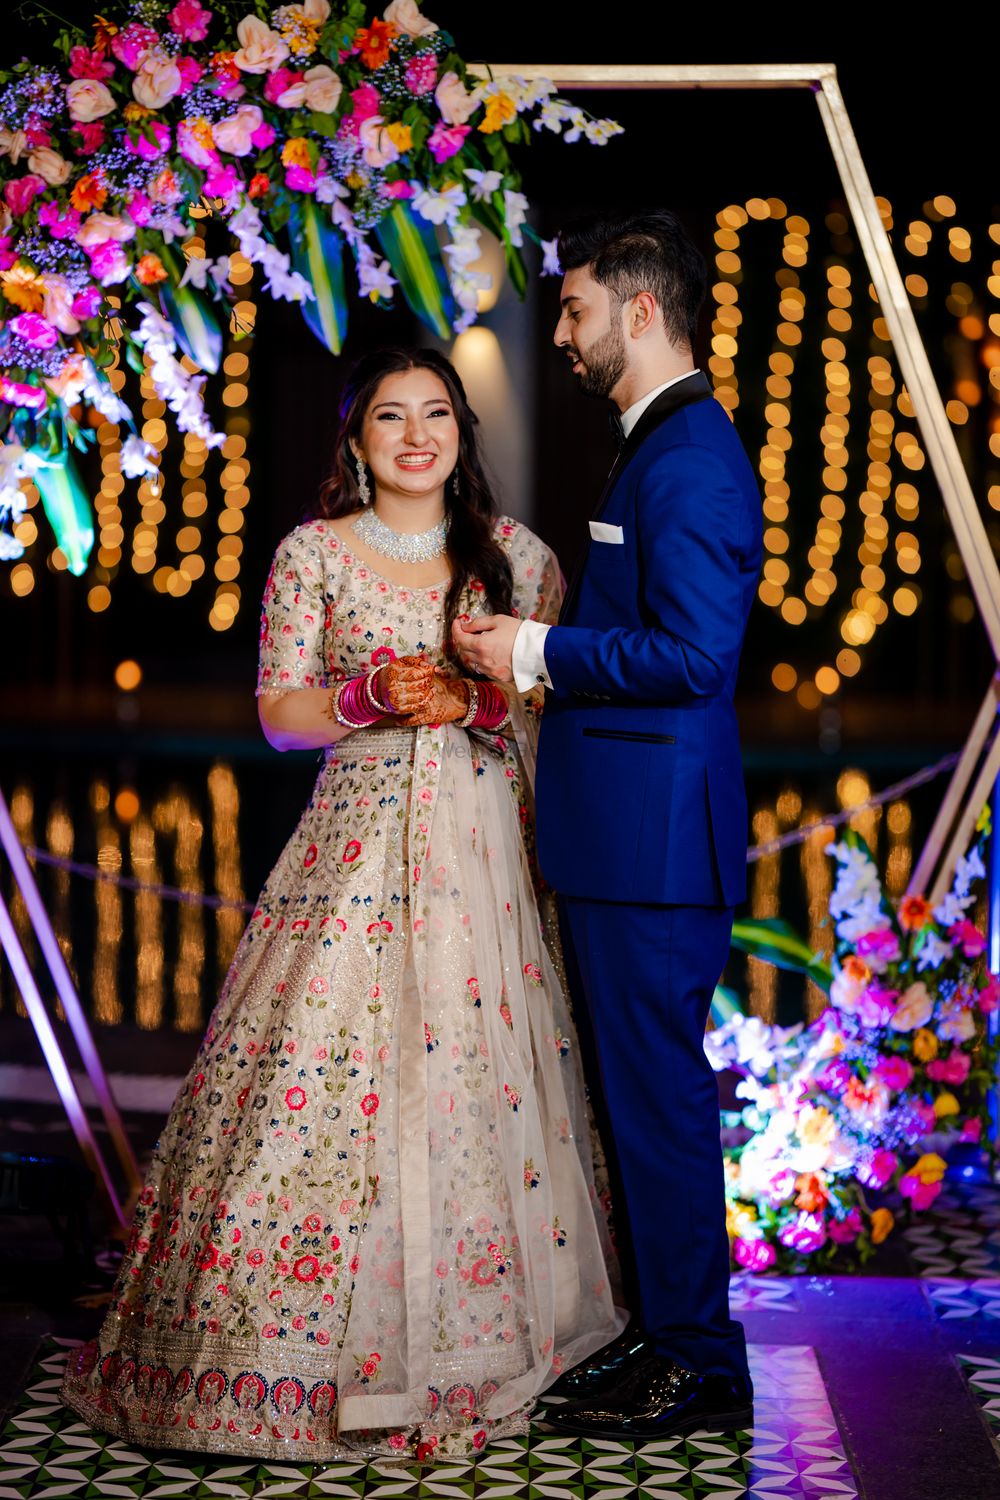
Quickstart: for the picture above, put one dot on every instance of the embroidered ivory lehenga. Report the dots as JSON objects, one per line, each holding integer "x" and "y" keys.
{"x": 370, "y": 1225}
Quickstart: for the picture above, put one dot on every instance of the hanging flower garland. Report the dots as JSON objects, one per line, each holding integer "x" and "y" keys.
{"x": 357, "y": 138}
{"x": 837, "y": 1112}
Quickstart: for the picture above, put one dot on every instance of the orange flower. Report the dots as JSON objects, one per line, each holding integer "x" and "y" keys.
{"x": 374, "y": 42}
{"x": 914, "y": 913}
{"x": 858, "y": 1096}
{"x": 500, "y": 108}
{"x": 88, "y": 192}
{"x": 136, "y": 111}
{"x": 881, "y": 1226}
{"x": 150, "y": 269}
{"x": 23, "y": 288}
{"x": 104, "y": 30}
{"x": 260, "y": 184}
{"x": 295, "y": 152}
{"x": 812, "y": 1192}
{"x": 400, "y": 135}
{"x": 925, "y": 1045}
{"x": 201, "y": 129}
{"x": 856, "y": 968}
{"x": 223, "y": 65}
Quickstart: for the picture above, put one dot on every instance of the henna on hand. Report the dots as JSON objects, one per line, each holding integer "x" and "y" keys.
{"x": 447, "y": 702}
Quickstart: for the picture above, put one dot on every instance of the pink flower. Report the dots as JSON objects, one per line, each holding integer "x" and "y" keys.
{"x": 369, "y": 1104}
{"x": 835, "y": 1077}
{"x": 351, "y": 851}
{"x": 279, "y": 82}
{"x": 84, "y": 63}
{"x": 895, "y": 1072}
{"x": 263, "y": 136}
{"x": 921, "y": 1194}
{"x": 397, "y": 1440}
{"x": 988, "y": 998}
{"x": 108, "y": 262}
{"x": 92, "y": 134}
{"x": 398, "y": 189}
{"x": 255, "y": 1258}
{"x": 194, "y": 150}
{"x": 86, "y": 304}
{"x": 805, "y": 1233}
{"x": 21, "y": 192}
{"x": 61, "y": 226}
{"x": 132, "y": 43}
{"x": 951, "y": 1069}
{"x": 18, "y": 394}
{"x": 367, "y": 102}
{"x": 971, "y": 1130}
{"x": 782, "y": 1186}
{"x": 312, "y": 1224}
{"x": 139, "y": 208}
{"x": 306, "y": 1268}
{"x": 295, "y": 1098}
{"x": 149, "y": 150}
{"x": 876, "y": 1005}
{"x": 967, "y": 935}
{"x": 421, "y": 73}
{"x": 222, "y": 181}
{"x": 300, "y": 179}
{"x": 189, "y": 20}
{"x": 843, "y": 1231}
{"x": 445, "y": 141}
{"x": 270, "y": 1331}
{"x": 7, "y": 255}
{"x": 191, "y": 71}
{"x": 754, "y": 1255}
{"x": 33, "y": 328}
{"x": 879, "y": 948}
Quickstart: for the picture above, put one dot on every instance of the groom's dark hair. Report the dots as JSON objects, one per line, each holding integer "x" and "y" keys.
{"x": 646, "y": 252}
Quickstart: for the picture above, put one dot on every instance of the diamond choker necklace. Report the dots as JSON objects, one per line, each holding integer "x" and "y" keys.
{"x": 403, "y": 546}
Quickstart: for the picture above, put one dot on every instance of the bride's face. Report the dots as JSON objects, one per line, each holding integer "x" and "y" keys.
{"x": 409, "y": 437}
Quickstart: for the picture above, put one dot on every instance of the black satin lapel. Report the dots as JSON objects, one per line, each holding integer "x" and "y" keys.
{"x": 686, "y": 392}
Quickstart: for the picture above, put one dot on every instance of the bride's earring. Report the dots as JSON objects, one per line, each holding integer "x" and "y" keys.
{"x": 364, "y": 492}
{"x": 456, "y": 484}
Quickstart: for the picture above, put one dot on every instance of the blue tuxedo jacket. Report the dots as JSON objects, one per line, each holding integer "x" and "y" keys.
{"x": 639, "y": 787}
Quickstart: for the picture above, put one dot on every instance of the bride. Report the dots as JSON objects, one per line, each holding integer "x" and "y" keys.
{"x": 370, "y": 1225}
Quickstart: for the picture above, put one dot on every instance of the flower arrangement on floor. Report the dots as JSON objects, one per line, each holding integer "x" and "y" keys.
{"x": 354, "y": 133}
{"x": 836, "y": 1111}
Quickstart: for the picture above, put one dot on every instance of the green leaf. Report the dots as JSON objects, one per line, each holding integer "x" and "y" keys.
{"x": 412, "y": 249}
{"x": 67, "y": 507}
{"x": 318, "y": 255}
{"x": 775, "y": 941}
{"x": 191, "y": 317}
{"x": 726, "y": 1003}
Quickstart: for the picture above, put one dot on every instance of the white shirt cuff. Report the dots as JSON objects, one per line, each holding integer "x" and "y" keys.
{"x": 528, "y": 656}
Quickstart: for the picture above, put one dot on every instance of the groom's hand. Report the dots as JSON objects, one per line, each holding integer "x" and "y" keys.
{"x": 486, "y": 643}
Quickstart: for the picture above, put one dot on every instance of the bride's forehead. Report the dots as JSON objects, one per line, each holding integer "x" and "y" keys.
{"x": 411, "y": 388}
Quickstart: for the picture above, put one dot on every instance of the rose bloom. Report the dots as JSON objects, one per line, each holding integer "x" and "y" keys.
{"x": 377, "y": 145}
{"x": 914, "y": 1009}
{"x": 49, "y": 164}
{"x": 453, "y": 100}
{"x": 319, "y": 89}
{"x": 261, "y": 49}
{"x": 34, "y": 329}
{"x": 132, "y": 43}
{"x": 157, "y": 81}
{"x": 100, "y": 227}
{"x": 150, "y": 269}
{"x": 406, "y": 17}
{"x": 234, "y": 133}
{"x": 58, "y": 305}
{"x": 88, "y": 99}
{"x": 754, "y": 1255}
{"x": 189, "y": 20}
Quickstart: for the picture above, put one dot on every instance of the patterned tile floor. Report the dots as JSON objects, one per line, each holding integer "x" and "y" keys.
{"x": 982, "y": 1376}
{"x": 793, "y": 1452}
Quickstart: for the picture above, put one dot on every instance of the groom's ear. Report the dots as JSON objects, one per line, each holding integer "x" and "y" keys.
{"x": 643, "y": 314}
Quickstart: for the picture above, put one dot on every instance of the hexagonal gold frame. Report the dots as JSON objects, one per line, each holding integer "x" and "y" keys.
{"x": 973, "y": 778}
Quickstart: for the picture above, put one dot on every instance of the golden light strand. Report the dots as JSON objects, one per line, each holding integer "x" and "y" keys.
{"x": 818, "y": 877}
{"x": 148, "y": 927}
{"x": 236, "y": 473}
{"x": 108, "y": 1009}
{"x": 762, "y": 978}
{"x": 725, "y": 292}
{"x": 225, "y": 799}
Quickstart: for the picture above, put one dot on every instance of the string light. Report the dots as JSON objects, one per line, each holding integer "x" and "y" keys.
{"x": 817, "y": 873}
{"x": 108, "y": 901}
{"x": 762, "y": 978}
{"x": 225, "y": 801}
{"x": 148, "y": 927}
{"x": 727, "y": 320}
{"x": 235, "y": 476}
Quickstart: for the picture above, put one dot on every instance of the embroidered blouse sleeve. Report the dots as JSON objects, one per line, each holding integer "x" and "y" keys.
{"x": 538, "y": 581}
{"x": 293, "y": 617}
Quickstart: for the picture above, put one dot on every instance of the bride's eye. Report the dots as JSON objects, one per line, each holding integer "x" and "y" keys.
{"x": 443, "y": 411}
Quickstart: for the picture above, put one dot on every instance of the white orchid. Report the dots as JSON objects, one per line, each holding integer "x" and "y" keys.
{"x": 484, "y": 184}
{"x": 440, "y": 206}
{"x": 375, "y": 278}
{"x": 550, "y": 258}
{"x": 139, "y": 459}
{"x": 173, "y": 384}
{"x": 934, "y": 951}
{"x": 515, "y": 212}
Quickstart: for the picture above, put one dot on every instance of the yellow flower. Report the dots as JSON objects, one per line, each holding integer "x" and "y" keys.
{"x": 881, "y": 1225}
{"x": 946, "y": 1104}
{"x": 134, "y": 111}
{"x": 354, "y": 179}
{"x": 739, "y": 1219}
{"x": 499, "y": 109}
{"x": 401, "y": 136}
{"x": 201, "y": 130}
{"x": 928, "y": 1168}
{"x": 23, "y": 288}
{"x": 817, "y": 1127}
{"x": 925, "y": 1045}
{"x": 295, "y": 152}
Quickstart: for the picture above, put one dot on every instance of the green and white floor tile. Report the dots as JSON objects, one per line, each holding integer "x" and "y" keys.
{"x": 793, "y": 1452}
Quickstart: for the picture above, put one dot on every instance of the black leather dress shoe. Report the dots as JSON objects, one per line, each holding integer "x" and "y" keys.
{"x": 657, "y": 1398}
{"x": 605, "y": 1370}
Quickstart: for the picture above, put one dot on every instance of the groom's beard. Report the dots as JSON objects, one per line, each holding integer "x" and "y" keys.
{"x": 603, "y": 363}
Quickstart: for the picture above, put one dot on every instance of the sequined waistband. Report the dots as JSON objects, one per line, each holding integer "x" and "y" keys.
{"x": 391, "y": 740}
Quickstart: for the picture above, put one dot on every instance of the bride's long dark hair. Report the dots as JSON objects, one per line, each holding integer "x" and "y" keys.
{"x": 472, "y": 551}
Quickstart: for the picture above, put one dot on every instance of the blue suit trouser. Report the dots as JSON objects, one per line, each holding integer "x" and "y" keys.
{"x": 642, "y": 979}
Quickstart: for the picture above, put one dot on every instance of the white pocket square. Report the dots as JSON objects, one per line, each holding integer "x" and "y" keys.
{"x": 602, "y": 532}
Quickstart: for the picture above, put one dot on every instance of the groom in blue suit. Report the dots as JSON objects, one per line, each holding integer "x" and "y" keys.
{"x": 641, "y": 811}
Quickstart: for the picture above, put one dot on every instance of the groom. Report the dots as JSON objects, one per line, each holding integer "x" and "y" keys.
{"x": 642, "y": 822}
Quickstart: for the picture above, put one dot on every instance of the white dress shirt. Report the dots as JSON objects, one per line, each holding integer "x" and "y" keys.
{"x": 528, "y": 656}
